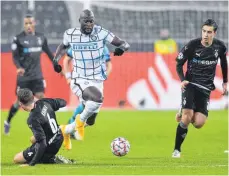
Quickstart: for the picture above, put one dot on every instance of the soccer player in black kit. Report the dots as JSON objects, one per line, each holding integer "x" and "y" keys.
{"x": 202, "y": 55}
{"x": 26, "y": 49}
{"x": 47, "y": 136}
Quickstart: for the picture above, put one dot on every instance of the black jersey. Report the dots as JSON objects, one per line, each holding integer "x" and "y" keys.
{"x": 42, "y": 121}
{"x": 26, "y": 50}
{"x": 202, "y": 62}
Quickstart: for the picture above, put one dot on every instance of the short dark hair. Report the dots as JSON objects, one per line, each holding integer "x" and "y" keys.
{"x": 29, "y": 14}
{"x": 211, "y": 22}
{"x": 25, "y": 96}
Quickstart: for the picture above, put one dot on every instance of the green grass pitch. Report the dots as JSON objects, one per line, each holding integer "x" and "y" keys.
{"x": 151, "y": 136}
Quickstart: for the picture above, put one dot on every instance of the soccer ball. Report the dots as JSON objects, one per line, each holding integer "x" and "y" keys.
{"x": 120, "y": 146}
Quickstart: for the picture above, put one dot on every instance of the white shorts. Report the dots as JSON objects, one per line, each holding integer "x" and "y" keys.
{"x": 78, "y": 85}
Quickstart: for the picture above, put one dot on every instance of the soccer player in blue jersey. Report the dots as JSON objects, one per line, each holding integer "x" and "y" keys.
{"x": 67, "y": 69}
{"x": 89, "y": 67}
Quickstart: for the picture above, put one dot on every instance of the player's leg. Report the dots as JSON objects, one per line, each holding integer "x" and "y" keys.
{"x": 91, "y": 95}
{"x": 93, "y": 101}
{"x": 179, "y": 115}
{"x": 187, "y": 114}
{"x": 79, "y": 109}
{"x": 91, "y": 120}
{"x": 14, "y": 108}
{"x": 199, "y": 120}
{"x": 19, "y": 158}
{"x": 38, "y": 88}
{"x": 70, "y": 128}
{"x": 201, "y": 108}
{"x": 51, "y": 150}
{"x": 25, "y": 156}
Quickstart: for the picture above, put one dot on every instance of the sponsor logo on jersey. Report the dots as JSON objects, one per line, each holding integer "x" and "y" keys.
{"x": 204, "y": 62}
{"x": 84, "y": 46}
{"x": 32, "y": 49}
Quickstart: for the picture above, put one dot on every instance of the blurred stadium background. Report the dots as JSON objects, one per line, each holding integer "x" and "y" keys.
{"x": 152, "y": 84}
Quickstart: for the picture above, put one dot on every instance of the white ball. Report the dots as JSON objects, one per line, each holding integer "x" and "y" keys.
{"x": 120, "y": 146}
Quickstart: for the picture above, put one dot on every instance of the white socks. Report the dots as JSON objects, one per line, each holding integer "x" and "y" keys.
{"x": 91, "y": 107}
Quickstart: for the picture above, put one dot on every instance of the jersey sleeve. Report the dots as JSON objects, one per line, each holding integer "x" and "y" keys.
{"x": 106, "y": 54}
{"x": 66, "y": 39}
{"x": 16, "y": 52}
{"x": 37, "y": 130}
{"x": 56, "y": 103}
{"x": 183, "y": 56}
{"x": 224, "y": 64}
{"x": 109, "y": 37}
{"x": 46, "y": 49}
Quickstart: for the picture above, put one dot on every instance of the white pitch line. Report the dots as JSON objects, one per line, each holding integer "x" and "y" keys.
{"x": 144, "y": 166}
{"x": 125, "y": 166}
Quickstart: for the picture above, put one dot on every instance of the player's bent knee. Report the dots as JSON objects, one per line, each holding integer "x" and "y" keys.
{"x": 199, "y": 120}
{"x": 187, "y": 116}
{"x": 19, "y": 158}
{"x": 92, "y": 94}
{"x": 32, "y": 139}
{"x": 198, "y": 126}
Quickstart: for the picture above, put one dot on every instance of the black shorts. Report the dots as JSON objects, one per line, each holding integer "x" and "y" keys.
{"x": 35, "y": 86}
{"x": 195, "y": 98}
{"x": 49, "y": 153}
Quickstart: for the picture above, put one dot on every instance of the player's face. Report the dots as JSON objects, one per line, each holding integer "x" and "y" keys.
{"x": 29, "y": 25}
{"x": 208, "y": 34}
{"x": 23, "y": 106}
{"x": 87, "y": 24}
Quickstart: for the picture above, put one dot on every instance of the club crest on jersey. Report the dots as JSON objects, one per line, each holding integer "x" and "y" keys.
{"x": 93, "y": 38}
{"x": 180, "y": 56}
{"x": 216, "y": 53}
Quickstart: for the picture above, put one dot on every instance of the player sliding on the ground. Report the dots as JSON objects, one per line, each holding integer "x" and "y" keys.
{"x": 47, "y": 137}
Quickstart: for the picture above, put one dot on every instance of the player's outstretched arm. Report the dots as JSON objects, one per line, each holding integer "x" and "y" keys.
{"x": 179, "y": 69}
{"x": 61, "y": 50}
{"x": 67, "y": 68}
{"x": 46, "y": 49}
{"x": 56, "y": 103}
{"x": 121, "y": 44}
{"x": 224, "y": 67}
{"x": 184, "y": 54}
{"x": 16, "y": 56}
